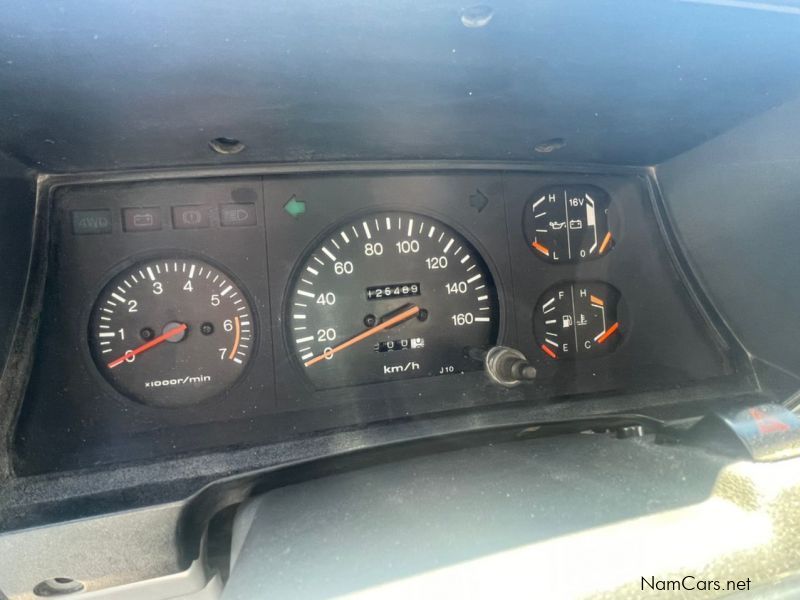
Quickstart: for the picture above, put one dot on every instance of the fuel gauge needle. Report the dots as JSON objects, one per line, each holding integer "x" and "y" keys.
{"x": 146, "y": 346}
{"x": 398, "y": 318}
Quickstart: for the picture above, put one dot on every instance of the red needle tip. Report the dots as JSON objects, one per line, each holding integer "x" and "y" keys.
{"x": 146, "y": 346}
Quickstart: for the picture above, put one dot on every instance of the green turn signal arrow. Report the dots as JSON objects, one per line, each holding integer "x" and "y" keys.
{"x": 295, "y": 207}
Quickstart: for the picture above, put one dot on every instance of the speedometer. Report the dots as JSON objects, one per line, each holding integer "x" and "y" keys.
{"x": 389, "y": 296}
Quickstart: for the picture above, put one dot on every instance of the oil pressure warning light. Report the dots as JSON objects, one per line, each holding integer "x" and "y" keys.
{"x": 578, "y": 320}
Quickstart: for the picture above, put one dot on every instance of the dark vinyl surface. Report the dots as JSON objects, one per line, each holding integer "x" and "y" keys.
{"x": 736, "y": 203}
{"x": 99, "y": 85}
{"x": 16, "y": 228}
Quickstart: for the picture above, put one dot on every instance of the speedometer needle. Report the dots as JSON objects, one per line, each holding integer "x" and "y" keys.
{"x": 398, "y": 318}
{"x": 145, "y": 347}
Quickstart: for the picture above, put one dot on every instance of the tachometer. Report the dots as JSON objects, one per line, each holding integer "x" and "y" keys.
{"x": 171, "y": 331}
{"x": 392, "y": 295}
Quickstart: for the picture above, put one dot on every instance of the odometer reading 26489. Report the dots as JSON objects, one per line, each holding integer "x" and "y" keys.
{"x": 392, "y": 295}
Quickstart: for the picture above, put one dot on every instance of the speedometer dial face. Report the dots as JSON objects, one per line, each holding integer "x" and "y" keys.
{"x": 390, "y": 296}
{"x": 171, "y": 332}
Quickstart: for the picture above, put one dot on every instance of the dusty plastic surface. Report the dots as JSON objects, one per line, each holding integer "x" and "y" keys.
{"x": 398, "y": 523}
{"x": 570, "y": 517}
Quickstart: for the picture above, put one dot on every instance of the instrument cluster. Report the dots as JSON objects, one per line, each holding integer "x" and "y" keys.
{"x": 274, "y": 300}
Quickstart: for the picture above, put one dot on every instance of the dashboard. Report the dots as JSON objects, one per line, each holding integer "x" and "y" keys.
{"x": 487, "y": 290}
{"x": 195, "y": 311}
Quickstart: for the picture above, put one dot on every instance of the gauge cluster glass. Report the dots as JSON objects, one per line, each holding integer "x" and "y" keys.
{"x": 389, "y": 296}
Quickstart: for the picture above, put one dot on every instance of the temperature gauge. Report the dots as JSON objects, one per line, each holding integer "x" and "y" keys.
{"x": 566, "y": 224}
{"x": 578, "y": 320}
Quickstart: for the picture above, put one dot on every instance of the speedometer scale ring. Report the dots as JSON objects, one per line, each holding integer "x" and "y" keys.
{"x": 390, "y": 296}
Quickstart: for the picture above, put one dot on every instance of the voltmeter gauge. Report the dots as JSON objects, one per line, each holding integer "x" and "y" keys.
{"x": 567, "y": 224}
{"x": 579, "y": 320}
{"x": 171, "y": 331}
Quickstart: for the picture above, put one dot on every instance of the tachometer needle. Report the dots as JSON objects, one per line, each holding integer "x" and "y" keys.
{"x": 398, "y": 318}
{"x": 145, "y": 347}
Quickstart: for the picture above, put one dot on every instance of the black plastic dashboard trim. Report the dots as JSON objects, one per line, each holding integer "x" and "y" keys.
{"x": 724, "y": 336}
{"x": 19, "y": 362}
{"x": 13, "y": 388}
{"x": 718, "y": 326}
{"x": 49, "y": 182}
{"x": 41, "y": 499}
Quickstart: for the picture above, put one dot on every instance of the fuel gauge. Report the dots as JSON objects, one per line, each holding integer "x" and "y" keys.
{"x": 578, "y": 320}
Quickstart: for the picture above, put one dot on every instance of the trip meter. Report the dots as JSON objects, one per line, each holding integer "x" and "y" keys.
{"x": 391, "y": 295}
{"x": 171, "y": 331}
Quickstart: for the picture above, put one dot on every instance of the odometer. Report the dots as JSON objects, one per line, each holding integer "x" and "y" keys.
{"x": 388, "y": 296}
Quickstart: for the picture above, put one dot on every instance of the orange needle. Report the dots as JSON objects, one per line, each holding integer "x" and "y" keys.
{"x": 549, "y": 352}
{"x": 608, "y": 333}
{"x": 540, "y": 248}
{"x": 399, "y": 318}
{"x": 145, "y": 347}
{"x": 605, "y": 243}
